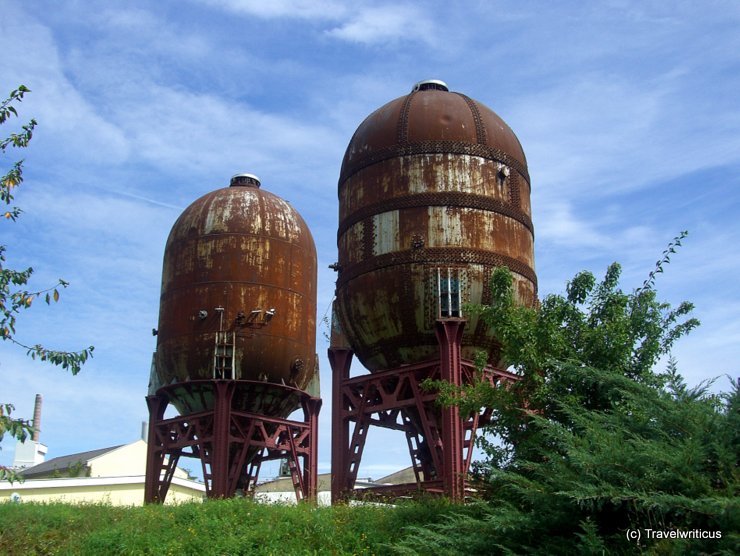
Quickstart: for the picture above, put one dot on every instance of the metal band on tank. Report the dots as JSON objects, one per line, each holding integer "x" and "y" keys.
{"x": 436, "y": 255}
{"x": 368, "y": 237}
{"x": 431, "y": 147}
{"x": 480, "y": 129}
{"x": 403, "y": 120}
{"x": 437, "y": 199}
{"x": 515, "y": 193}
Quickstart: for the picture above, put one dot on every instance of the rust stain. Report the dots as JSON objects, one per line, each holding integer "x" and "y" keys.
{"x": 440, "y": 182}
{"x": 241, "y": 249}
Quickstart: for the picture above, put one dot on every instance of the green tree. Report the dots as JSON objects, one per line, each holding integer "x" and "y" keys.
{"x": 592, "y": 442}
{"x": 14, "y": 297}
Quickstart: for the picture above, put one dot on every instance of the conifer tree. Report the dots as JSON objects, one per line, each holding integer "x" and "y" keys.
{"x": 593, "y": 446}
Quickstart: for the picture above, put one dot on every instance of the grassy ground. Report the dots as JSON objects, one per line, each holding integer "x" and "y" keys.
{"x": 235, "y": 526}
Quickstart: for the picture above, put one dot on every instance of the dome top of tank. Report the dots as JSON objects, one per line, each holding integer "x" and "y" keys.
{"x": 432, "y": 119}
{"x": 244, "y": 180}
{"x": 431, "y": 84}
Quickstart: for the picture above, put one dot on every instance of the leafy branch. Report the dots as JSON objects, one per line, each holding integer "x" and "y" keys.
{"x": 649, "y": 282}
{"x": 14, "y": 177}
{"x": 14, "y": 297}
{"x": 20, "y": 429}
{"x": 13, "y": 302}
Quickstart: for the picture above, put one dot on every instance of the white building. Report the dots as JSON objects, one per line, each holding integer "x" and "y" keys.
{"x": 110, "y": 475}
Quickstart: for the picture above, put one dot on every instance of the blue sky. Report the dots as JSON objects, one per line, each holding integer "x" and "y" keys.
{"x": 627, "y": 112}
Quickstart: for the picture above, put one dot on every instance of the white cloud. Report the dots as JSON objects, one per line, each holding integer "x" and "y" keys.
{"x": 197, "y": 134}
{"x": 384, "y": 24}
{"x": 364, "y": 23}
{"x": 298, "y": 9}
{"x": 559, "y": 224}
{"x": 67, "y": 120}
{"x": 138, "y": 30}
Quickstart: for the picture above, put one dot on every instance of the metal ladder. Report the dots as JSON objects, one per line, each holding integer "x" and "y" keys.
{"x": 224, "y": 364}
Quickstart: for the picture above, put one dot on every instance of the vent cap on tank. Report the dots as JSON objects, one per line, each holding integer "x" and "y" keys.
{"x": 430, "y": 85}
{"x": 244, "y": 180}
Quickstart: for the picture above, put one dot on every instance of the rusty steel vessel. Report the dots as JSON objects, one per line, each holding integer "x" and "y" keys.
{"x": 238, "y": 301}
{"x": 434, "y": 193}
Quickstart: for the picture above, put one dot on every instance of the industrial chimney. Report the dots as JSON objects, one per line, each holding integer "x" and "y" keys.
{"x": 31, "y": 452}
{"x": 37, "y": 417}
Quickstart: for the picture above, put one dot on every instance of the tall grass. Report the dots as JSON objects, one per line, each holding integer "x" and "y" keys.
{"x": 230, "y": 527}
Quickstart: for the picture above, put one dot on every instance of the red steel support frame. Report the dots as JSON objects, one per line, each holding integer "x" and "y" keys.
{"x": 449, "y": 335}
{"x": 340, "y": 360}
{"x": 440, "y": 440}
{"x": 230, "y": 443}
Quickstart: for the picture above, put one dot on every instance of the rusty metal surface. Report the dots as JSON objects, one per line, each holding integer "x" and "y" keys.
{"x": 433, "y": 122}
{"x": 433, "y": 179}
{"x": 237, "y": 250}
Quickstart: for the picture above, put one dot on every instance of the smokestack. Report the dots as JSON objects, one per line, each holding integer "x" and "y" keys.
{"x": 30, "y": 453}
{"x": 37, "y": 417}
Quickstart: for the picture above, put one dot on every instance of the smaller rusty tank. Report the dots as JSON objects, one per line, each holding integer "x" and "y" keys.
{"x": 238, "y": 298}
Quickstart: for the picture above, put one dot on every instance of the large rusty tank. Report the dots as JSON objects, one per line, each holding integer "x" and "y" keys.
{"x": 238, "y": 299}
{"x": 434, "y": 193}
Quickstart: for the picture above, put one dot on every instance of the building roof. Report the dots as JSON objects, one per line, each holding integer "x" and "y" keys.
{"x": 63, "y": 463}
{"x": 399, "y": 477}
{"x": 284, "y": 484}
